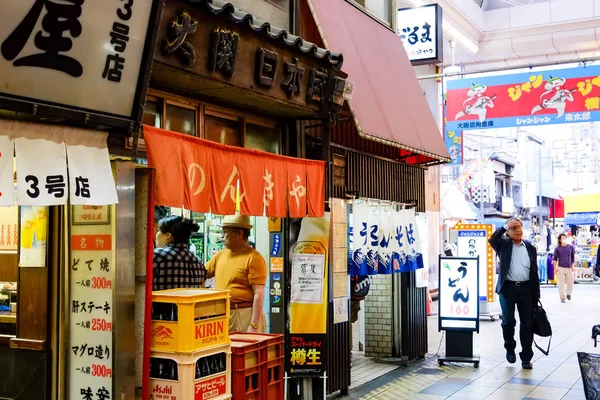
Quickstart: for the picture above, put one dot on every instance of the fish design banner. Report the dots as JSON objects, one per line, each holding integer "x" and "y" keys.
{"x": 383, "y": 240}
{"x": 525, "y": 99}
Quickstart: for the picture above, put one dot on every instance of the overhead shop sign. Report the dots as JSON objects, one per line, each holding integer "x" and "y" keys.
{"x": 421, "y": 32}
{"x": 88, "y": 56}
{"x": 43, "y": 178}
{"x": 527, "y": 99}
{"x": 205, "y": 176}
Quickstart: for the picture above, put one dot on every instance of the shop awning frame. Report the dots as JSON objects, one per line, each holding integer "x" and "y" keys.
{"x": 582, "y": 218}
{"x": 387, "y": 105}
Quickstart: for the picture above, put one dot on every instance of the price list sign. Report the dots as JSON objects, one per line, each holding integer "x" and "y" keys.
{"x": 91, "y": 311}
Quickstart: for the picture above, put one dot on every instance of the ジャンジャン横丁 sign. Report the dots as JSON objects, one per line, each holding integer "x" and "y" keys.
{"x": 421, "y": 32}
{"x": 472, "y": 241}
{"x": 459, "y": 294}
{"x": 88, "y": 56}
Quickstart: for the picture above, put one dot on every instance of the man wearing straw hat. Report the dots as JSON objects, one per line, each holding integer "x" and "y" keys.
{"x": 242, "y": 270}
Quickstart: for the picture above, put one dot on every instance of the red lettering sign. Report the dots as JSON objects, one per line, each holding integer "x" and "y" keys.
{"x": 210, "y": 329}
{"x": 211, "y": 388}
{"x": 91, "y": 242}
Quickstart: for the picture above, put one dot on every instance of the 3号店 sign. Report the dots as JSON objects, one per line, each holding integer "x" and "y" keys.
{"x": 81, "y": 54}
{"x": 43, "y": 179}
{"x": 459, "y": 293}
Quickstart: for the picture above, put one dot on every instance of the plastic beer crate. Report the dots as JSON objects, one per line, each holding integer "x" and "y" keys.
{"x": 199, "y": 375}
{"x": 247, "y": 371}
{"x": 271, "y": 343}
{"x": 185, "y": 320}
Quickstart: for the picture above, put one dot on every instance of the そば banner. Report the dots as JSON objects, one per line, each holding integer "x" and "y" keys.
{"x": 383, "y": 240}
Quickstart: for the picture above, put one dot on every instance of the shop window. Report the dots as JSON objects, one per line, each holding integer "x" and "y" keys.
{"x": 339, "y": 170}
{"x": 152, "y": 114}
{"x": 9, "y": 217}
{"x": 223, "y": 130}
{"x": 259, "y": 137}
{"x": 381, "y": 9}
{"x": 181, "y": 119}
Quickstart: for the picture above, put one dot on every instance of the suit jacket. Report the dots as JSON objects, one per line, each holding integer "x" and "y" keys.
{"x": 503, "y": 248}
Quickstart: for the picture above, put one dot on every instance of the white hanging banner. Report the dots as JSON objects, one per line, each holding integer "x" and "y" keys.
{"x": 372, "y": 240}
{"x": 384, "y": 252}
{"x": 7, "y": 192}
{"x": 90, "y": 175}
{"x": 360, "y": 216}
{"x": 414, "y": 255}
{"x": 422, "y": 276}
{"x": 41, "y": 165}
{"x": 397, "y": 242}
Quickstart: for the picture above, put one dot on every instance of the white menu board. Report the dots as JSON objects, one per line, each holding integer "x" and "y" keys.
{"x": 458, "y": 291}
{"x": 92, "y": 271}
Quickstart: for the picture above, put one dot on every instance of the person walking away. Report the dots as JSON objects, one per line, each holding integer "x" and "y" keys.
{"x": 518, "y": 286}
{"x": 242, "y": 270}
{"x": 564, "y": 264}
{"x": 174, "y": 265}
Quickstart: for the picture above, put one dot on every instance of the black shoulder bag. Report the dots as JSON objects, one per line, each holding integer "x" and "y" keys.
{"x": 541, "y": 326}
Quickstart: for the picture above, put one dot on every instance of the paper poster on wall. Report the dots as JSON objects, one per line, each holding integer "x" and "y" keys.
{"x": 307, "y": 278}
{"x": 340, "y": 310}
{"x": 9, "y": 229}
{"x": 34, "y": 236}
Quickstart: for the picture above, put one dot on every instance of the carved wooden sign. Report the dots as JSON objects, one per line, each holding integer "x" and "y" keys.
{"x": 200, "y": 45}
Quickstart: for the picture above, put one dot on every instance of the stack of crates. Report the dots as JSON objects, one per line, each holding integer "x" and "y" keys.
{"x": 190, "y": 348}
{"x": 258, "y": 365}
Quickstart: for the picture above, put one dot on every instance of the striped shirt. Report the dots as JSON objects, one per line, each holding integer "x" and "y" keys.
{"x": 175, "y": 266}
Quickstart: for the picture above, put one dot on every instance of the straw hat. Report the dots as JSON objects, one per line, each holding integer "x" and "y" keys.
{"x": 237, "y": 221}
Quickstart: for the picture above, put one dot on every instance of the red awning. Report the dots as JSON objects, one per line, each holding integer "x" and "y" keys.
{"x": 388, "y": 104}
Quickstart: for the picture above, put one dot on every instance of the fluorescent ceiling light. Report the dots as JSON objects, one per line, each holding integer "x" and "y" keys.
{"x": 456, "y": 35}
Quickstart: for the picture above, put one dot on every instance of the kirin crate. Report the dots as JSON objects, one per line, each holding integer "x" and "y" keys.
{"x": 185, "y": 320}
{"x": 199, "y": 375}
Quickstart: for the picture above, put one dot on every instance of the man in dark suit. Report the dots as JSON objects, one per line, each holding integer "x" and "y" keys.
{"x": 518, "y": 286}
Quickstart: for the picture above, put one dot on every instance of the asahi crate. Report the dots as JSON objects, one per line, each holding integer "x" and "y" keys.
{"x": 199, "y": 375}
{"x": 186, "y": 320}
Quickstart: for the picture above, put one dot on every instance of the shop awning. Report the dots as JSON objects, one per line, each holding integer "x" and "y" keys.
{"x": 583, "y": 218}
{"x": 388, "y": 104}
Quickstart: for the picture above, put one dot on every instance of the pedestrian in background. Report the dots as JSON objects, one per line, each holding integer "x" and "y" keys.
{"x": 564, "y": 263}
{"x": 518, "y": 287}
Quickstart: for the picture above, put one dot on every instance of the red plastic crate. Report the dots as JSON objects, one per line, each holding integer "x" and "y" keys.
{"x": 246, "y": 355}
{"x": 271, "y": 343}
{"x": 273, "y": 379}
{"x": 248, "y": 384}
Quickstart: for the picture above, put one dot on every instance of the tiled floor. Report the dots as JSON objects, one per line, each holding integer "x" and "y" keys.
{"x": 554, "y": 377}
{"x": 365, "y": 369}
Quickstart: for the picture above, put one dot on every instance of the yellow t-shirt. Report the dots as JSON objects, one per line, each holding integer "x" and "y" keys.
{"x": 237, "y": 273}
